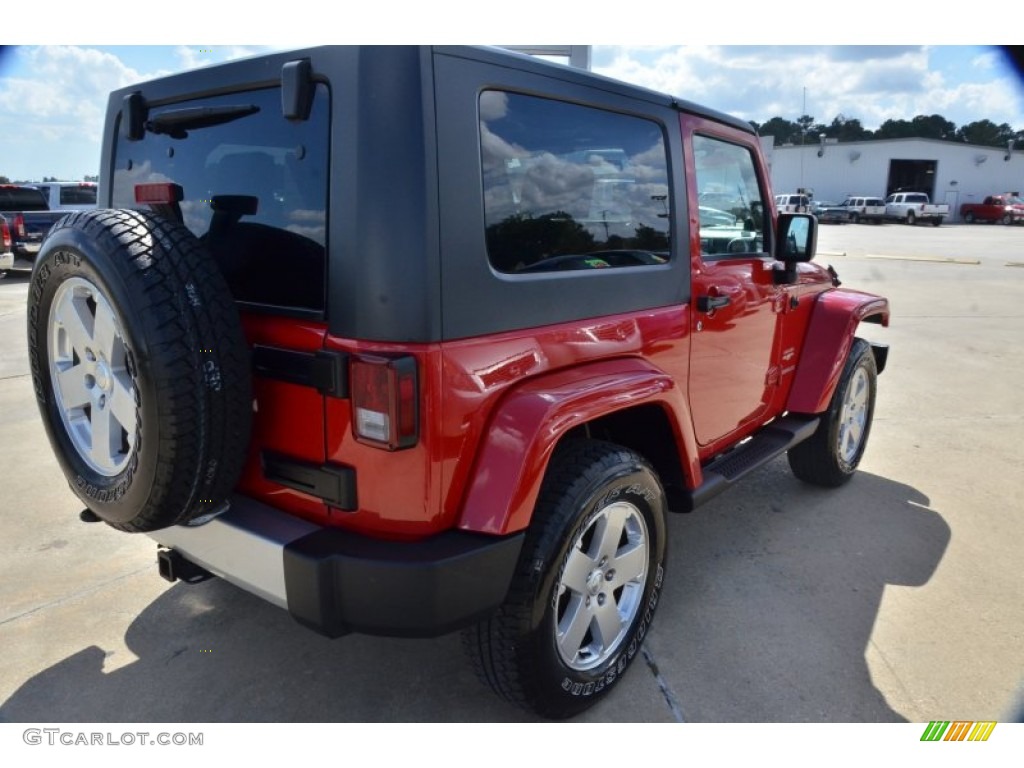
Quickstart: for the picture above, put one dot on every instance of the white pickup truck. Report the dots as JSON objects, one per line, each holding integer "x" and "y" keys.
{"x": 68, "y": 195}
{"x": 911, "y": 207}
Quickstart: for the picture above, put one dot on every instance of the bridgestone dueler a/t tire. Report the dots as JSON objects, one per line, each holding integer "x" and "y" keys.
{"x": 177, "y": 352}
{"x": 593, "y": 560}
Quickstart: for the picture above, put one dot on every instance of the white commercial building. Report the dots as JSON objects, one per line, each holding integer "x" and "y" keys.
{"x": 949, "y": 172}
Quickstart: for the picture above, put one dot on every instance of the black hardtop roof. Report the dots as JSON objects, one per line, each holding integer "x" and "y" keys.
{"x": 264, "y": 70}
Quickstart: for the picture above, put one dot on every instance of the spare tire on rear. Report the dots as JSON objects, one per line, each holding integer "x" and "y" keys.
{"x": 140, "y": 368}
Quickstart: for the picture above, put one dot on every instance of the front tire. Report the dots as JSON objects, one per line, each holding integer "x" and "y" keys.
{"x": 830, "y": 456}
{"x": 586, "y": 587}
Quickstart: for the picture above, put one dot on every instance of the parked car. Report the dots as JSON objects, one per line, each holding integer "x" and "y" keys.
{"x": 68, "y": 195}
{"x": 6, "y": 244}
{"x": 29, "y": 219}
{"x": 467, "y": 402}
{"x": 912, "y": 207}
{"x": 792, "y": 203}
{"x": 867, "y": 209}
{"x": 829, "y": 212}
{"x": 1005, "y": 209}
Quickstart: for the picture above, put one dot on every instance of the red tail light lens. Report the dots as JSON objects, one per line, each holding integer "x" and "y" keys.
{"x": 19, "y": 225}
{"x": 5, "y": 234}
{"x": 385, "y": 399}
{"x": 164, "y": 192}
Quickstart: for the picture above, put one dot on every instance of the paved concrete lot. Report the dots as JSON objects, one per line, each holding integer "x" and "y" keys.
{"x": 897, "y": 597}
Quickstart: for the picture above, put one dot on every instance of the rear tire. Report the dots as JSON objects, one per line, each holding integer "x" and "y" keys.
{"x": 586, "y": 587}
{"x": 911, "y": 218}
{"x": 831, "y": 455}
{"x": 140, "y": 368}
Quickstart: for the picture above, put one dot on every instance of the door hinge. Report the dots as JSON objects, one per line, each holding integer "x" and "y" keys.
{"x": 334, "y": 483}
{"x": 325, "y": 370}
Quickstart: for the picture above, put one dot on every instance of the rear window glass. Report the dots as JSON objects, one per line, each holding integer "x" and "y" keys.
{"x": 568, "y": 187}
{"x": 22, "y": 199}
{"x": 83, "y": 195}
{"x": 255, "y": 191}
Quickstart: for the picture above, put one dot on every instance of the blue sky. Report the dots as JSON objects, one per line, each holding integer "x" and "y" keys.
{"x": 53, "y": 97}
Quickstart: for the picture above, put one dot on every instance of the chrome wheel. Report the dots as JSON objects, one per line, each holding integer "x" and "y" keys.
{"x": 93, "y": 390}
{"x": 601, "y": 586}
{"x": 853, "y": 418}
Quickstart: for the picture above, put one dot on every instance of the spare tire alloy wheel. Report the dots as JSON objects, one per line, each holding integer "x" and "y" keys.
{"x": 587, "y": 584}
{"x": 93, "y": 390}
{"x": 140, "y": 368}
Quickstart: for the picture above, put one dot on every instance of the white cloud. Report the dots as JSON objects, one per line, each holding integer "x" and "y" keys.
{"x": 870, "y": 83}
{"x": 66, "y": 96}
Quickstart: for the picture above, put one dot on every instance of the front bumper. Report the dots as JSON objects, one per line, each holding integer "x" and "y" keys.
{"x": 336, "y": 582}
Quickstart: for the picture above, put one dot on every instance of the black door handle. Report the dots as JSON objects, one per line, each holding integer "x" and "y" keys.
{"x": 711, "y": 303}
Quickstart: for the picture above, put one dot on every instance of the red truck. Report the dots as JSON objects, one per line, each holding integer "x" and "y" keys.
{"x": 422, "y": 339}
{"x": 1004, "y": 209}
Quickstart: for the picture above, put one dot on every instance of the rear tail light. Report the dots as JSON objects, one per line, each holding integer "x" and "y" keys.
{"x": 158, "y": 193}
{"x": 385, "y": 400}
{"x": 19, "y": 226}
{"x": 5, "y": 234}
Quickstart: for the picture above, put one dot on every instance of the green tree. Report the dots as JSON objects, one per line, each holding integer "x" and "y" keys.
{"x": 785, "y": 131}
{"x": 4, "y": 180}
{"x": 933, "y": 127}
{"x": 986, "y": 133}
{"x": 895, "y": 129}
{"x": 847, "y": 129}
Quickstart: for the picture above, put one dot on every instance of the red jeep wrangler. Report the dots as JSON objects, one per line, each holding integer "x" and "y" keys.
{"x": 410, "y": 340}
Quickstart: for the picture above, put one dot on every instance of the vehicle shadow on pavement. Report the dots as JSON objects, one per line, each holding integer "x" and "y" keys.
{"x": 213, "y": 653}
{"x": 773, "y": 593}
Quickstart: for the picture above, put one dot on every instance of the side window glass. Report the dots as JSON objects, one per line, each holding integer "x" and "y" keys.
{"x": 568, "y": 187}
{"x": 255, "y": 192}
{"x": 732, "y": 211}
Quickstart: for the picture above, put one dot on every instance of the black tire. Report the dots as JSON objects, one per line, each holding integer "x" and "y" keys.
{"x": 516, "y": 651}
{"x": 911, "y": 218}
{"x": 936, "y": 221}
{"x": 1007, "y": 219}
{"x": 968, "y": 218}
{"x": 163, "y": 373}
{"x": 831, "y": 455}
{"x": 854, "y": 218}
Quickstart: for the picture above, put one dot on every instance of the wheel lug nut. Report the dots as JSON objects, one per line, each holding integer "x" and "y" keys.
{"x": 610, "y": 574}
{"x": 601, "y": 599}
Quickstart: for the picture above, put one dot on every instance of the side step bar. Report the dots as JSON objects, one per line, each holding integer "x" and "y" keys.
{"x": 772, "y": 441}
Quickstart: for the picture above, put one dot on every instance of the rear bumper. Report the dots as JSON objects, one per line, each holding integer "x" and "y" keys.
{"x": 337, "y": 582}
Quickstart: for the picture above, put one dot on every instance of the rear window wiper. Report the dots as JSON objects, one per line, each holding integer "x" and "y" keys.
{"x": 177, "y": 122}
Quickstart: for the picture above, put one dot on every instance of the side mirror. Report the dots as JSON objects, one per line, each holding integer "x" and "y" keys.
{"x": 796, "y": 237}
